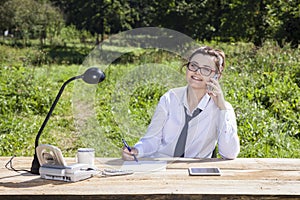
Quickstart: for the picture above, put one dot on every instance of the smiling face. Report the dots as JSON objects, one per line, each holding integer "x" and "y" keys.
{"x": 195, "y": 78}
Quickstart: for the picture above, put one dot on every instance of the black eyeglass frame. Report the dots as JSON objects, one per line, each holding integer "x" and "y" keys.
{"x": 201, "y": 69}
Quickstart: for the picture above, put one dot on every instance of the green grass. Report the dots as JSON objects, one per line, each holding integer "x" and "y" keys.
{"x": 261, "y": 84}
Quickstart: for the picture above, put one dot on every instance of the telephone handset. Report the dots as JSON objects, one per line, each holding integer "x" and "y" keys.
{"x": 49, "y": 155}
{"x": 214, "y": 77}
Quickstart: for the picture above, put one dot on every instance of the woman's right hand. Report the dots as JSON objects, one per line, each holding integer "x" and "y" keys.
{"x": 126, "y": 155}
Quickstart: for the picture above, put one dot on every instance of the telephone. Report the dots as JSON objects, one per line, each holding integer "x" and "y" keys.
{"x": 214, "y": 77}
{"x": 54, "y": 167}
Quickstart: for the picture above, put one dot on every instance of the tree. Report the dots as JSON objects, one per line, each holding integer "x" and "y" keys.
{"x": 30, "y": 19}
{"x": 240, "y": 20}
{"x": 100, "y": 17}
{"x": 225, "y": 20}
{"x": 284, "y": 19}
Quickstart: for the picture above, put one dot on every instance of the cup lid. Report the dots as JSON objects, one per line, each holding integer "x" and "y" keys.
{"x": 85, "y": 150}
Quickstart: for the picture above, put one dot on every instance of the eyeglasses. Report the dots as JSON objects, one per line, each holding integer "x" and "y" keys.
{"x": 203, "y": 70}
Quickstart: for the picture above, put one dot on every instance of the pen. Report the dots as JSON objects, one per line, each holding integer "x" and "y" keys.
{"x": 129, "y": 149}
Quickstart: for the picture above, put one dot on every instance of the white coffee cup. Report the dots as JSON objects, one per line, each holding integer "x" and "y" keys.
{"x": 86, "y": 156}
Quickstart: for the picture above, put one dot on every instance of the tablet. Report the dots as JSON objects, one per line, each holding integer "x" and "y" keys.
{"x": 197, "y": 171}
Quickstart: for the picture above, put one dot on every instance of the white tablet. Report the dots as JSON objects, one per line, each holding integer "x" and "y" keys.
{"x": 197, "y": 171}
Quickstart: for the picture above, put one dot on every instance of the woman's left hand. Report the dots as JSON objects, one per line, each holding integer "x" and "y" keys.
{"x": 216, "y": 93}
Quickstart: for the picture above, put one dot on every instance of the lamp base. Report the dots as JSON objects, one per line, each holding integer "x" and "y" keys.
{"x": 35, "y": 166}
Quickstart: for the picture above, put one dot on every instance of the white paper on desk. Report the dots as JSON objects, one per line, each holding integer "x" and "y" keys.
{"x": 145, "y": 166}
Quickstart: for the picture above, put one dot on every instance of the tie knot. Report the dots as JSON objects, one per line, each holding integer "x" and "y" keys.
{"x": 195, "y": 113}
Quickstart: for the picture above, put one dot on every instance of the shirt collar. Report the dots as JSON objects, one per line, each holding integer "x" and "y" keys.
{"x": 201, "y": 105}
{"x": 204, "y": 101}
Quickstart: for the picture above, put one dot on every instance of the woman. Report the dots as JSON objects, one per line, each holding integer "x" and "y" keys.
{"x": 190, "y": 121}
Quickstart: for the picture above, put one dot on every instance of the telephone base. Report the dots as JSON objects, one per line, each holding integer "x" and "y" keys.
{"x": 72, "y": 173}
{"x": 54, "y": 166}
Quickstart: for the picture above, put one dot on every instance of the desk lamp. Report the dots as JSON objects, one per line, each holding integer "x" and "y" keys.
{"x": 91, "y": 76}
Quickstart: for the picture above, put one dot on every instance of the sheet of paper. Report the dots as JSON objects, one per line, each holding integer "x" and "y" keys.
{"x": 145, "y": 166}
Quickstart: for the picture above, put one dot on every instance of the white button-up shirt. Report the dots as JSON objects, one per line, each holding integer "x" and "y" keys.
{"x": 210, "y": 127}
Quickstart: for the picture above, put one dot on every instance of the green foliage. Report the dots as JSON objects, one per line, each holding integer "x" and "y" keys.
{"x": 283, "y": 19}
{"x": 20, "y": 94}
{"x": 226, "y": 20}
{"x": 26, "y": 95}
{"x": 101, "y": 17}
{"x": 262, "y": 84}
{"x": 27, "y": 19}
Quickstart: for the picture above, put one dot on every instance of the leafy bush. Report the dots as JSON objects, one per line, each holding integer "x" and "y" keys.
{"x": 262, "y": 86}
{"x": 26, "y": 95}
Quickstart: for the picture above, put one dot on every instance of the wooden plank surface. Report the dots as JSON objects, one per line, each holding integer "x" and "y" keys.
{"x": 242, "y": 177}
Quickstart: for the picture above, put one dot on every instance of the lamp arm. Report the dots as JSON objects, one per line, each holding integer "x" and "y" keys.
{"x": 35, "y": 163}
{"x": 52, "y": 108}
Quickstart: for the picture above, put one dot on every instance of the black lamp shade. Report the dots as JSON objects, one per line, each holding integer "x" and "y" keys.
{"x": 93, "y": 76}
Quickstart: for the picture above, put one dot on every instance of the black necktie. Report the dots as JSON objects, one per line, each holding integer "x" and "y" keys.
{"x": 180, "y": 146}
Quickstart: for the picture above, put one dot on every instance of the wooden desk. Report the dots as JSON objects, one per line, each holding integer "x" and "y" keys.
{"x": 246, "y": 178}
